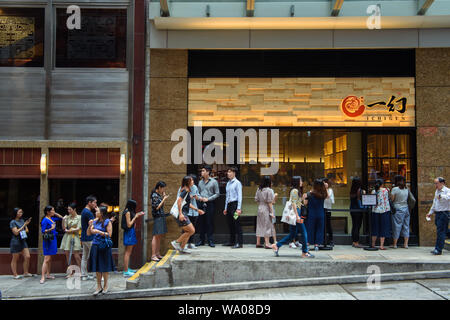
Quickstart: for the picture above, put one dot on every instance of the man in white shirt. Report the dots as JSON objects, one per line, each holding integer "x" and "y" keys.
{"x": 441, "y": 207}
{"x": 233, "y": 203}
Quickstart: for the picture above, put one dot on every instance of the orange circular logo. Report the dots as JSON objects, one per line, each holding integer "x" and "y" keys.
{"x": 352, "y": 106}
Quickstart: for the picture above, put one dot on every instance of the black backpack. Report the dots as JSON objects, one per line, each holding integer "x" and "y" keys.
{"x": 123, "y": 222}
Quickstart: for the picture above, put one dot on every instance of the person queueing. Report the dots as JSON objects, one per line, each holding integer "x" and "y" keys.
{"x": 159, "y": 197}
{"x": 328, "y": 205}
{"x": 183, "y": 218}
{"x": 264, "y": 225}
{"x": 355, "y": 204}
{"x": 18, "y": 245}
{"x": 50, "y": 245}
{"x": 208, "y": 188}
{"x": 401, "y": 217}
{"x": 295, "y": 197}
{"x": 128, "y": 224}
{"x": 87, "y": 214}
{"x": 100, "y": 261}
{"x": 441, "y": 207}
{"x": 315, "y": 222}
{"x": 232, "y": 212}
{"x": 71, "y": 226}
{"x": 381, "y": 220}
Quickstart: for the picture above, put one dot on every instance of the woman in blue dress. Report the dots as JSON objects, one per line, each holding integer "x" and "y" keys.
{"x": 314, "y": 201}
{"x": 128, "y": 223}
{"x": 50, "y": 246}
{"x": 100, "y": 261}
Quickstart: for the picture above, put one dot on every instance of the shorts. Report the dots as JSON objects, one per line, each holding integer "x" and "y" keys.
{"x": 185, "y": 222}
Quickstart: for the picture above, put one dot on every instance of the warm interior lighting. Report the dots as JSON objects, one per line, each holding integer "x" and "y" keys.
{"x": 116, "y": 209}
{"x": 123, "y": 164}
{"x": 43, "y": 163}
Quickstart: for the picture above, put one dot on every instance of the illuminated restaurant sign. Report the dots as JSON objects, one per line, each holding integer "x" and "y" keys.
{"x": 302, "y": 102}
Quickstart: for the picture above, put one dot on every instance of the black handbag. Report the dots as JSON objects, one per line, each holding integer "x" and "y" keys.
{"x": 105, "y": 243}
{"x": 48, "y": 236}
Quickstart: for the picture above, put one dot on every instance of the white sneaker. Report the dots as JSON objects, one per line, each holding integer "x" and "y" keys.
{"x": 292, "y": 245}
{"x": 185, "y": 251}
{"x": 176, "y": 245}
{"x": 298, "y": 244}
{"x": 192, "y": 246}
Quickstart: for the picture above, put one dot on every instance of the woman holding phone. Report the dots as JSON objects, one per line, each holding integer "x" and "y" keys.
{"x": 50, "y": 245}
{"x": 18, "y": 244}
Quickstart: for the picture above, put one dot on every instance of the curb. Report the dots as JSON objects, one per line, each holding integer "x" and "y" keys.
{"x": 160, "y": 292}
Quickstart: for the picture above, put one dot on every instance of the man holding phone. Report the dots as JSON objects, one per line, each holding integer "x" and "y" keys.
{"x": 232, "y": 212}
{"x": 441, "y": 207}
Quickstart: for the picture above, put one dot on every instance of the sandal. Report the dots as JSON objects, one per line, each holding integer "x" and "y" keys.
{"x": 308, "y": 255}
{"x": 155, "y": 258}
{"x": 383, "y": 248}
{"x": 275, "y": 251}
{"x": 159, "y": 257}
{"x": 41, "y": 281}
{"x": 50, "y": 277}
{"x": 259, "y": 246}
{"x": 28, "y": 275}
{"x": 17, "y": 277}
{"x": 267, "y": 247}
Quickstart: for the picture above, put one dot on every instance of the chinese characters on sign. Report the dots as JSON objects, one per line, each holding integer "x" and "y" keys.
{"x": 354, "y": 107}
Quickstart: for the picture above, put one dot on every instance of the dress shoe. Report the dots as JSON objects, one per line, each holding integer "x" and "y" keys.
{"x": 436, "y": 253}
{"x": 200, "y": 243}
{"x": 236, "y": 246}
{"x": 228, "y": 244}
{"x": 211, "y": 244}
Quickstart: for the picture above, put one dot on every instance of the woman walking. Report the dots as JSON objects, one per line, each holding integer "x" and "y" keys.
{"x": 264, "y": 226}
{"x": 355, "y": 204}
{"x": 18, "y": 244}
{"x": 159, "y": 197}
{"x": 314, "y": 201}
{"x": 129, "y": 217}
{"x": 401, "y": 217}
{"x": 381, "y": 221}
{"x": 71, "y": 240}
{"x": 101, "y": 261}
{"x": 183, "y": 218}
{"x": 50, "y": 245}
{"x": 296, "y": 200}
{"x": 193, "y": 214}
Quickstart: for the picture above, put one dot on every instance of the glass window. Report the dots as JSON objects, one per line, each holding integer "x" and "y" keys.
{"x": 21, "y": 37}
{"x": 100, "y": 43}
{"x": 62, "y": 192}
{"x": 22, "y": 193}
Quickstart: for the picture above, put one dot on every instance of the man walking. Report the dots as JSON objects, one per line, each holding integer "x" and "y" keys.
{"x": 232, "y": 212}
{"x": 441, "y": 206}
{"x": 86, "y": 241}
{"x": 209, "y": 191}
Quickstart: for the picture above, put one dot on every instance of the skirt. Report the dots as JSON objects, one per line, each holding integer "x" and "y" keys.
{"x": 65, "y": 243}
{"x": 17, "y": 245}
{"x": 100, "y": 260}
{"x": 129, "y": 237}
{"x": 381, "y": 224}
{"x": 159, "y": 226}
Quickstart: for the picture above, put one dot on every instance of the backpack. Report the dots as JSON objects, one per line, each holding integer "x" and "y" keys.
{"x": 123, "y": 222}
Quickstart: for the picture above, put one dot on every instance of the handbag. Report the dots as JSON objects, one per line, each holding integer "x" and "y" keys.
{"x": 105, "y": 243}
{"x": 174, "y": 211}
{"x": 48, "y": 236}
{"x": 391, "y": 204}
{"x": 411, "y": 201}
{"x": 289, "y": 215}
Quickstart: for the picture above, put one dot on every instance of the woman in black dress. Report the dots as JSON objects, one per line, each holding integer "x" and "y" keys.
{"x": 158, "y": 196}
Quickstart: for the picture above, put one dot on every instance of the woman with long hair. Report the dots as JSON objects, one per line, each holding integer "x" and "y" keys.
{"x": 355, "y": 204}
{"x": 159, "y": 197}
{"x": 18, "y": 244}
{"x": 296, "y": 200}
{"x": 128, "y": 223}
{"x": 50, "y": 245}
{"x": 100, "y": 261}
{"x": 381, "y": 224}
{"x": 264, "y": 226}
{"x": 183, "y": 216}
{"x": 315, "y": 222}
{"x": 401, "y": 217}
{"x": 72, "y": 225}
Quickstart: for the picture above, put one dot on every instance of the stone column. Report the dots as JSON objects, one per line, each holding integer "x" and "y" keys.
{"x": 43, "y": 202}
{"x": 168, "y": 112}
{"x": 433, "y": 130}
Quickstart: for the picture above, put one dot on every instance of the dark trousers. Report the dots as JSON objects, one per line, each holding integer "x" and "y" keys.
{"x": 315, "y": 226}
{"x": 357, "y": 218}
{"x": 234, "y": 224}
{"x": 206, "y": 222}
{"x": 329, "y": 230}
{"x": 441, "y": 221}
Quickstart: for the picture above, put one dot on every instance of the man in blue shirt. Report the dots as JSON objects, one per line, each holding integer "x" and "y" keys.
{"x": 86, "y": 241}
{"x": 233, "y": 203}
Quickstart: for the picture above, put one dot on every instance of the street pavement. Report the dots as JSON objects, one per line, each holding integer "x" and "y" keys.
{"x": 424, "y": 289}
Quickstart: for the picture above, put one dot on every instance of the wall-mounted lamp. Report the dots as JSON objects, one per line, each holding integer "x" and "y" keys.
{"x": 43, "y": 163}
{"x": 123, "y": 164}
{"x": 116, "y": 209}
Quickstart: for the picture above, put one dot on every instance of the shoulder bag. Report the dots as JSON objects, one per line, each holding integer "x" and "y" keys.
{"x": 174, "y": 211}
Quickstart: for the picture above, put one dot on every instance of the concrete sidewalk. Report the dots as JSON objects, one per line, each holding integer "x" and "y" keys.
{"x": 30, "y": 288}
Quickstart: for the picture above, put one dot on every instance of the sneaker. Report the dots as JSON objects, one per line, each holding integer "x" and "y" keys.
{"x": 131, "y": 270}
{"x": 298, "y": 244}
{"x": 192, "y": 246}
{"x": 128, "y": 274}
{"x": 84, "y": 278}
{"x": 316, "y": 248}
{"x": 90, "y": 277}
{"x": 292, "y": 245}
{"x": 436, "y": 253}
{"x": 176, "y": 245}
{"x": 185, "y": 251}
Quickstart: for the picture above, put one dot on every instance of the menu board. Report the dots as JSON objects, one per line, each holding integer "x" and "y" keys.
{"x": 17, "y": 37}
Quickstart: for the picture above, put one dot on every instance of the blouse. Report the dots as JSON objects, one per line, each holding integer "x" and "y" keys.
{"x": 382, "y": 201}
{"x": 156, "y": 201}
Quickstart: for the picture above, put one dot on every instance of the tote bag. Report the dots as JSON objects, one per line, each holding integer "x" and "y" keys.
{"x": 289, "y": 215}
{"x": 174, "y": 211}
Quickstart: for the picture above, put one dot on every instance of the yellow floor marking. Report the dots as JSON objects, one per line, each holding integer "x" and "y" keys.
{"x": 134, "y": 276}
{"x": 165, "y": 258}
